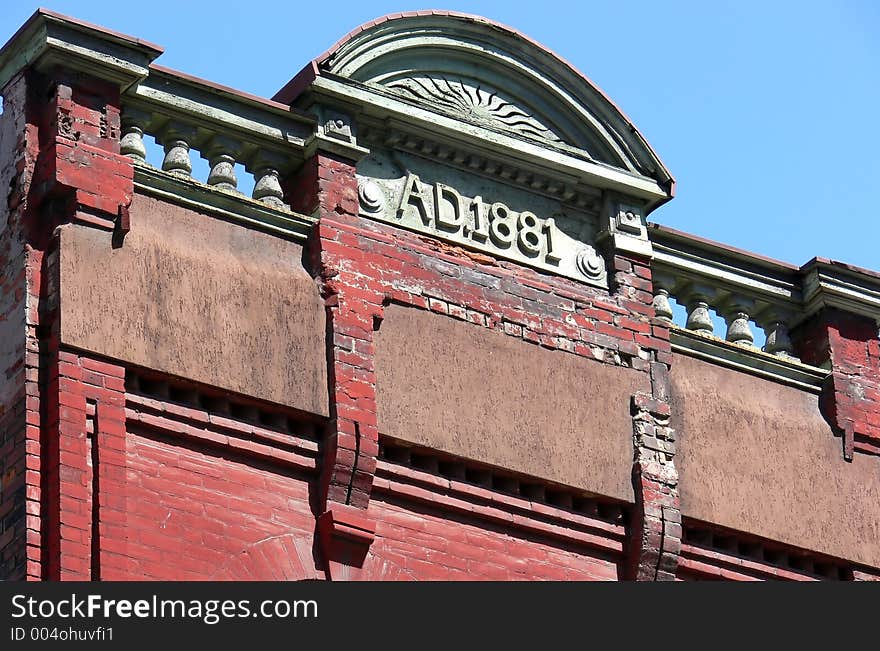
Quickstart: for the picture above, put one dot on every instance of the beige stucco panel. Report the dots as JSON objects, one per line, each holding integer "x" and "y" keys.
{"x": 485, "y": 396}
{"x": 757, "y": 456}
{"x": 199, "y": 298}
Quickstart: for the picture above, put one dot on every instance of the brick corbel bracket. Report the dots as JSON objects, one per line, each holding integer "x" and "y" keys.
{"x": 850, "y": 398}
{"x": 345, "y": 534}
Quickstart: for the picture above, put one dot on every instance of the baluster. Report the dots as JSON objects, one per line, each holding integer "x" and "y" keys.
{"x": 176, "y": 141}
{"x": 223, "y": 172}
{"x": 265, "y": 167}
{"x": 699, "y": 319}
{"x": 736, "y": 316}
{"x": 268, "y": 187}
{"x": 221, "y": 156}
{"x": 134, "y": 123}
{"x": 697, "y": 302}
{"x": 775, "y": 324}
{"x": 662, "y": 307}
{"x": 778, "y": 342}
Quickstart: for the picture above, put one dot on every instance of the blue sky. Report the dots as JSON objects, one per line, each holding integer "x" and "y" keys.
{"x": 765, "y": 112}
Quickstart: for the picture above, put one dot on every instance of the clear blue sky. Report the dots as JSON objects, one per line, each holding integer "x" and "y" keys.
{"x": 767, "y": 113}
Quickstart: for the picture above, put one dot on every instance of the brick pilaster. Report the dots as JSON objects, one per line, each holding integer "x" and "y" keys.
{"x": 656, "y": 527}
{"x": 19, "y": 358}
{"x": 850, "y": 400}
{"x": 655, "y": 530}
{"x": 65, "y": 166}
{"x": 353, "y": 306}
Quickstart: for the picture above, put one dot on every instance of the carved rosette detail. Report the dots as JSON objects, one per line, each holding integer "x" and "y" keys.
{"x": 475, "y": 102}
{"x": 371, "y": 198}
{"x": 590, "y": 264}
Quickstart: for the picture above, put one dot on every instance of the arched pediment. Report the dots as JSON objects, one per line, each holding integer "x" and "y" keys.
{"x": 492, "y": 76}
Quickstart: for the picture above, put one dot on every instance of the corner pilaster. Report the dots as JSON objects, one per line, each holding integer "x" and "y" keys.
{"x": 327, "y": 186}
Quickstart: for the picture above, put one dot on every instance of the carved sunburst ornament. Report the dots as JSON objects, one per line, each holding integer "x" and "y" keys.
{"x": 479, "y": 104}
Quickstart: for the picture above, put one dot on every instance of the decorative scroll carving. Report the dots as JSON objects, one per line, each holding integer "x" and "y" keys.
{"x": 482, "y": 105}
{"x": 590, "y": 263}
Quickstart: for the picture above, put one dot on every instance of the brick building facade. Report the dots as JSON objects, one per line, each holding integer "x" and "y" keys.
{"x": 438, "y": 339}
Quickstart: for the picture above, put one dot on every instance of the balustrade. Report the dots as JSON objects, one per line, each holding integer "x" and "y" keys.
{"x": 188, "y": 117}
{"x": 751, "y": 296}
{"x": 223, "y": 153}
{"x": 738, "y": 310}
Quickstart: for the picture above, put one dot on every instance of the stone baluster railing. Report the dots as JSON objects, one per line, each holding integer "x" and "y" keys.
{"x": 697, "y": 299}
{"x": 176, "y": 139}
{"x": 736, "y": 312}
{"x": 700, "y": 287}
{"x": 132, "y": 142}
{"x": 268, "y": 182}
{"x": 189, "y": 117}
{"x": 739, "y": 310}
{"x": 181, "y": 141}
{"x": 222, "y": 154}
{"x": 662, "y": 306}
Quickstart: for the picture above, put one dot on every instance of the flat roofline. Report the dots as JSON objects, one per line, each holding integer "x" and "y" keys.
{"x": 263, "y": 101}
{"x": 724, "y": 247}
{"x": 761, "y": 259}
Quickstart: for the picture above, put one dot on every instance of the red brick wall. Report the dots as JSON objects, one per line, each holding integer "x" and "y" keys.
{"x": 712, "y": 553}
{"x": 187, "y": 493}
{"x": 193, "y": 514}
{"x": 85, "y": 469}
{"x": 433, "y": 544}
{"x": 130, "y": 488}
{"x": 184, "y": 492}
{"x": 217, "y": 487}
{"x": 145, "y": 489}
{"x": 65, "y": 166}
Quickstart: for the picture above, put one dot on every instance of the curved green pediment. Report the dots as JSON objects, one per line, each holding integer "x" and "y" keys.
{"x": 491, "y": 76}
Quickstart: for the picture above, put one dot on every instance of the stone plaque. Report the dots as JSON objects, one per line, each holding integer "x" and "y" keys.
{"x": 514, "y": 231}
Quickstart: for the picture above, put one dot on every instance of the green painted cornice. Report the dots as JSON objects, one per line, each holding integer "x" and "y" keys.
{"x": 49, "y": 39}
{"x": 479, "y": 87}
